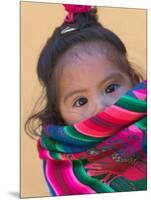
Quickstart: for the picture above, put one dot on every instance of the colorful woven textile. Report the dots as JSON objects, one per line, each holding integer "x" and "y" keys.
{"x": 106, "y": 153}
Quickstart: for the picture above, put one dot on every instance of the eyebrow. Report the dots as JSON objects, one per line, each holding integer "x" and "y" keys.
{"x": 71, "y": 93}
{"x": 76, "y": 91}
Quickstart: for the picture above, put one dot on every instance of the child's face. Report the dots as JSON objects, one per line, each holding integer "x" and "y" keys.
{"x": 88, "y": 85}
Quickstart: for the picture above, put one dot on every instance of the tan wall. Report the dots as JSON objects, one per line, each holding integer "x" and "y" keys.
{"x": 37, "y": 23}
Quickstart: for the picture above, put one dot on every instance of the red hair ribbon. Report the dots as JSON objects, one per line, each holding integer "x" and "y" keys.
{"x": 72, "y": 9}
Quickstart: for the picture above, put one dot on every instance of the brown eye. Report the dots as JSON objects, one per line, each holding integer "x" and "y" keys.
{"x": 80, "y": 102}
{"x": 112, "y": 88}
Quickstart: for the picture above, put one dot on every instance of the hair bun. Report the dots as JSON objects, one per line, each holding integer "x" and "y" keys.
{"x": 75, "y": 9}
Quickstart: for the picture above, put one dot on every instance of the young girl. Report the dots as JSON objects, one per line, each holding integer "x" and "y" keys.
{"x": 84, "y": 70}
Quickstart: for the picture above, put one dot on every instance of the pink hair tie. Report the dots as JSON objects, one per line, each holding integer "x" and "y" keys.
{"x": 72, "y": 9}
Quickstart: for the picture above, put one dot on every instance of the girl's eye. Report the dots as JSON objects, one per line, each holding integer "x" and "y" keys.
{"x": 111, "y": 88}
{"x": 80, "y": 102}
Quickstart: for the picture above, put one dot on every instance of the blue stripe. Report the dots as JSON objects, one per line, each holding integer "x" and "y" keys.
{"x": 57, "y": 132}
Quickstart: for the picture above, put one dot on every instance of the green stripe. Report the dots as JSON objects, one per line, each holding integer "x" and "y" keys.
{"x": 122, "y": 184}
{"x": 83, "y": 177}
{"x": 141, "y": 184}
{"x": 71, "y": 132}
{"x": 132, "y": 104}
{"x": 142, "y": 124}
{"x": 55, "y": 155}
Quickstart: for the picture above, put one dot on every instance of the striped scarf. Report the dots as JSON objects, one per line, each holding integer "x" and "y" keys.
{"x": 106, "y": 153}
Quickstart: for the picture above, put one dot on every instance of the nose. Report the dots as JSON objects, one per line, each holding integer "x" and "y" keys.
{"x": 99, "y": 106}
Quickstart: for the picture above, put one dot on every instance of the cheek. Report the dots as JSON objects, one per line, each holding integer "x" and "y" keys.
{"x": 71, "y": 115}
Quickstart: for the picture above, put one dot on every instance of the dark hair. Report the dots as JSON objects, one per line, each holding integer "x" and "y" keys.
{"x": 88, "y": 29}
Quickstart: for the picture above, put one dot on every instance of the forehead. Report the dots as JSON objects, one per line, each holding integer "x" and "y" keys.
{"x": 91, "y": 48}
{"x": 84, "y": 69}
{"x": 87, "y": 68}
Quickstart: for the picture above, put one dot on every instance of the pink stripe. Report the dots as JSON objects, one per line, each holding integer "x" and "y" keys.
{"x": 97, "y": 127}
{"x": 121, "y": 113}
{"x": 116, "y": 113}
{"x": 73, "y": 183}
{"x": 91, "y": 132}
{"x": 43, "y": 153}
{"x": 54, "y": 176}
{"x": 107, "y": 117}
{"x": 62, "y": 179}
{"x": 134, "y": 173}
{"x": 50, "y": 177}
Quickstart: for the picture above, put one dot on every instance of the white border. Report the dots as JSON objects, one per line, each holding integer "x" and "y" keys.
{"x": 113, "y": 3}
{"x": 10, "y": 98}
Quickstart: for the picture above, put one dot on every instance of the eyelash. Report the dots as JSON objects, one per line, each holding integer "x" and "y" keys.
{"x": 109, "y": 87}
{"x": 106, "y": 92}
{"x": 77, "y": 101}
